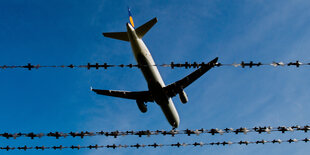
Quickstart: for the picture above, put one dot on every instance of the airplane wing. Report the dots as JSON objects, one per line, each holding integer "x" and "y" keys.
{"x": 142, "y": 30}
{"x": 117, "y": 35}
{"x": 175, "y": 88}
{"x": 137, "y": 95}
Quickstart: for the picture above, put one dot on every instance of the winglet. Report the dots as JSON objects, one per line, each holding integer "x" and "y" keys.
{"x": 130, "y": 18}
{"x": 214, "y": 61}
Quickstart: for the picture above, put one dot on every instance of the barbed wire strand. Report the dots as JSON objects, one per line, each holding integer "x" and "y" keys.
{"x": 155, "y": 145}
{"x": 172, "y": 65}
{"x": 115, "y": 134}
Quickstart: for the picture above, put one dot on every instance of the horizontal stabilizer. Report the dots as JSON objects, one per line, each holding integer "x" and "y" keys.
{"x": 137, "y": 95}
{"x": 143, "y": 29}
{"x": 117, "y": 35}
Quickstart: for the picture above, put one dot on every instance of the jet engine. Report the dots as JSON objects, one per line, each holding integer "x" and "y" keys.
{"x": 183, "y": 97}
{"x": 142, "y": 106}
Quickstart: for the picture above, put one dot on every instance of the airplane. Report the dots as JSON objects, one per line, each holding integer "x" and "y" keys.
{"x": 158, "y": 92}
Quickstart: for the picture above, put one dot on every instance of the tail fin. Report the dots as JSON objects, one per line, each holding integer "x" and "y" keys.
{"x": 130, "y": 18}
{"x": 120, "y": 35}
{"x": 141, "y": 31}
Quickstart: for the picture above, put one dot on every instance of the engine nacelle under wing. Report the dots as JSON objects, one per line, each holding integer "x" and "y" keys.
{"x": 142, "y": 106}
{"x": 183, "y": 97}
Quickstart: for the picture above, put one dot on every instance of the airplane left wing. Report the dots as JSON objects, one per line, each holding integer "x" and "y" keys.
{"x": 117, "y": 35}
{"x": 137, "y": 95}
{"x": 177, "y": 87}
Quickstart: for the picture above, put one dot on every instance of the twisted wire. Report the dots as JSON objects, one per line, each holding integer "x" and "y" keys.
{"x": 155, "y": 145}
{"x": 172, "y": 65}
{"x": 115, "y": 134}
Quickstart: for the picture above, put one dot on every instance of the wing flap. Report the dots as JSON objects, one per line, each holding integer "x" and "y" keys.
{"x": 138, "y": 95}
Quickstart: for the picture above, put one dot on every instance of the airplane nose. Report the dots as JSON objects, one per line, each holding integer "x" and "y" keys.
{"x": 176, "y": 123}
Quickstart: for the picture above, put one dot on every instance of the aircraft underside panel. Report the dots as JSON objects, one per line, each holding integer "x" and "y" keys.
{"x": 171, "y": 113}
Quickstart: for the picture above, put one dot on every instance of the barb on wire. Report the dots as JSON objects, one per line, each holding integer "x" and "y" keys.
{"x": 148, "y": 133}
{"x": 155, "y": 145}
{"x": 172, "y": 65}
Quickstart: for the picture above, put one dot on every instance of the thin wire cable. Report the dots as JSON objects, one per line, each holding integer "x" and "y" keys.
{"x": 172, "y": 65}
{"x": 155, "y": 145}
{"x": 115, "y": 134}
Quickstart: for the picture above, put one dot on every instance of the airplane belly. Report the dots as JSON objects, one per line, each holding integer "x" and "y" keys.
{"x": 170, "y": 112}
{"x": 154, "y": 80}
{"x": 144, "y": 58}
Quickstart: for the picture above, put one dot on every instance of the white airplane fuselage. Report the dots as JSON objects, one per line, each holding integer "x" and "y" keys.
{"x": 152, "y": 77}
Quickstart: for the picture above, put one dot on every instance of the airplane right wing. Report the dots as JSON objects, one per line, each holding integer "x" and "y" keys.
{"x": 142, "y": 30}
{"x": 177, "y": 87}
{"x": 138, "y": 95}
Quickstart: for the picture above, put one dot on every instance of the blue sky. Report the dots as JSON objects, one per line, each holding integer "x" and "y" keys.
{"x": 69, "y": 32}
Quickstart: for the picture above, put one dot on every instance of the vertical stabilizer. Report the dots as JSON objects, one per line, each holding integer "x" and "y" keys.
{"x": 130, "y": 18}
{"x": 140, "y": 31}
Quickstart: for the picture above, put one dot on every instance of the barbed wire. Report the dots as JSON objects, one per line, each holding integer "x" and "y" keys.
{"x": 172, "y": 65}
{"x": 188, "y": 132}
{"x": 155, "y": 145}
